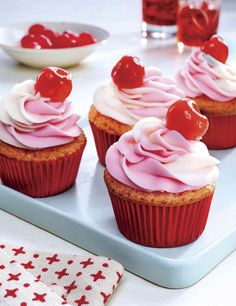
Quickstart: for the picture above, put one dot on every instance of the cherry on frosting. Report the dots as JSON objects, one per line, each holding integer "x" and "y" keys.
{"x": 128, "y": 72}
{"x": 184, "y": 116}
{"x": 216, "y": 47}
{"x": 54, "y": 83}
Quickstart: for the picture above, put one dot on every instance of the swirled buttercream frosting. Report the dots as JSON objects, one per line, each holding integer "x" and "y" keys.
{"x": 205, "y": 75}
{"x": 128, "y": 106}
{"x": 153, "y": 158}
{"x": 30, "y": 121}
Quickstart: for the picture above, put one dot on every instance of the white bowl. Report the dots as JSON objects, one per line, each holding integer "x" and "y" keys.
{"x": 11, "y": 35}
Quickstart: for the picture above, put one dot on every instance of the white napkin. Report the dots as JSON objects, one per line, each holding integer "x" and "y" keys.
{"x": 29, "y": 278}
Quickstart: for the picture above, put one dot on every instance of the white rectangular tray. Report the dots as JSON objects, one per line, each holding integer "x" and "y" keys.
{"x": 83, "y": 215}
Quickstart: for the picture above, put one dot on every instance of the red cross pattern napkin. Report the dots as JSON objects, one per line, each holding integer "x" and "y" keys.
{"x": 33, "y": 278}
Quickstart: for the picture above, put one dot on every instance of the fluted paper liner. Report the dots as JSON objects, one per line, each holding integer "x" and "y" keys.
{"x": 221, "y": 133}
{"x": 159, "y": 226}
{"x": 103, "y": 141}
{"x": 43, "y": 178}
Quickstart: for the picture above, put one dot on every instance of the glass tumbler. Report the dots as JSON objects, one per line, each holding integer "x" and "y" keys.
{"x": 159, "y": 18}
{"x": 197, "y": 21}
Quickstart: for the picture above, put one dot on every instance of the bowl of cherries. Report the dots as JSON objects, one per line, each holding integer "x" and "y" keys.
{"x": 60, "y": 44}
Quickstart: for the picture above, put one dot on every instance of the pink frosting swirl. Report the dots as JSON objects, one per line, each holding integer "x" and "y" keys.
{"x": 150, "y": 157}
{"x": 130, "y": 105}
{"x": 205, "y": 75}
{"x": 32, "y": 122}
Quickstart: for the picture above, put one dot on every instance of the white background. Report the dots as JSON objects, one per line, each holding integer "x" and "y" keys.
{"x": 122, "y": 19}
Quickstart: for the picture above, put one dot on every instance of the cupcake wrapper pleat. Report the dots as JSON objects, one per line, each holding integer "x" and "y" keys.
{"x": 159, "y": 226}
{"x": 221, "y": 133}
{"x": 103, "y": 141}
{"x": 43, "y": 178}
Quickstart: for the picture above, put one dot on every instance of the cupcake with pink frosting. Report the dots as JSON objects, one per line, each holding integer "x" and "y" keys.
{"x": 161, "y": 178}
{"x": 41, "y": 144}
{"x": 211, "y": 81}
{"x": 134, "y": 93}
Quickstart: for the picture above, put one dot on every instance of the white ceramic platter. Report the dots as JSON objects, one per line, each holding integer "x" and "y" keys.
{"x": 83, "y": 215}
{"x": 11, "y": 35}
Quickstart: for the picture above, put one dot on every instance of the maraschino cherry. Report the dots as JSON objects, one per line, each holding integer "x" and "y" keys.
{"x": 40, "y": 37}
{"x": 36, "y": 41}
{"x": 128, "y": 72}
{"x": 85, "y": 39}
{"x": 29, "y": 42}
{"x": 54, "y": 83}
{"x": 36, "y": 28}
{"x": 216, "y": 47}
{"x": 184, "y": 116}
{"x": 52, "y": 35}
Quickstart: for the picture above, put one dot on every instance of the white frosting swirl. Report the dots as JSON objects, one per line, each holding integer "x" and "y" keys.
{"x": 154, "y": 158}
{"x": 205, "y": 75}
{"x": 130, "y": 105}
{"x": 29, "y": 121}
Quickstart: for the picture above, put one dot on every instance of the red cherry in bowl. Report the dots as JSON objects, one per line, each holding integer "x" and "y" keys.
{"x": 52, "y": 35}
{"x": 128, "y": 72}
{"x": 28, "y": 41}
{"x": 62, "y": 41}
{"x": 85, "y": 39}
{"x": 71, "y": 35}
{"x": 184, "y": 116}
{"x": 36, "y": 28}
{"x": 37, "y": 41}
{"x": 70, "y": 39}
{"x": 54, "y": 83}
{"x": 43, "y": 41}
{"x": 216, "y": 47}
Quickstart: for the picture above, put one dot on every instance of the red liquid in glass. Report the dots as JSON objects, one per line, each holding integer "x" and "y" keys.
{"x": 160, "y": 12}
{"x": 196, "y": 25}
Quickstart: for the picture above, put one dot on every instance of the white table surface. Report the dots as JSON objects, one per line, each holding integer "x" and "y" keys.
{"x": 122, "y": 19}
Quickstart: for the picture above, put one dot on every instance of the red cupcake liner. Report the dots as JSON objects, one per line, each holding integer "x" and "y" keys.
{"x": 159, "y": 226}
{"x": 103, "y": 141}
{"x": 40, "y": 179}
{"x": 221, "y": 133}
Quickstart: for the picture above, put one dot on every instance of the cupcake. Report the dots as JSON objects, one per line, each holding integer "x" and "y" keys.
{"x": 211, "y": 82}
{"x": 134, "y": 93}
{"x": 161, "y": 178}
{"x": 41, "y": 144}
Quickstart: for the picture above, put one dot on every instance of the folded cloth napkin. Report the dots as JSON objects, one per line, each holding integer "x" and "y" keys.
{"x": 32, "y": 278}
